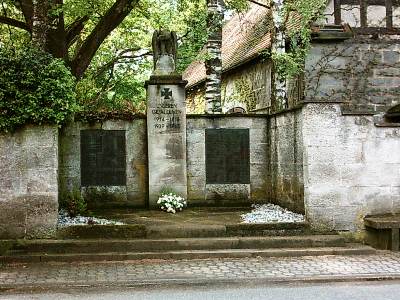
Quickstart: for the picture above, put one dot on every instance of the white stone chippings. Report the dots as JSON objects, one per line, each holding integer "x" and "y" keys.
{"x": 64, "y": 220}
{"x": 271, "y": 213}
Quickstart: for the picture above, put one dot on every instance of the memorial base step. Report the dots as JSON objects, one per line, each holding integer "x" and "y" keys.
{"x": 193, "y": 248}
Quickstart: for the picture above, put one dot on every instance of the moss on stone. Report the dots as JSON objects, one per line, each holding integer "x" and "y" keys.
{"x": 5, "y": 246}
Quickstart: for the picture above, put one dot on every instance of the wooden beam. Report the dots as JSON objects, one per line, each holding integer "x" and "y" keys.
{"x": 389, "y": 13}
{"x": 363, "y": 13}
{"x": 377, "y": 30}
{"x": 337, "y": 10}
{"x": 370, "y": 2}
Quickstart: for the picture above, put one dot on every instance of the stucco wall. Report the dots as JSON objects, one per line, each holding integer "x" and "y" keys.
{"x": 248, "y": 86}
{"x": 351, "y": 167}
{"x": 200, "y": 193}
{"x": 134, "y": 194}
{"x": 286, "y": 157}
{"x": 28, "y": 185}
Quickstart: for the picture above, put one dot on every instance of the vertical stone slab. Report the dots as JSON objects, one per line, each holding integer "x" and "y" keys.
{"x": 166, "y": 130}
{"x": 29, "y": 182}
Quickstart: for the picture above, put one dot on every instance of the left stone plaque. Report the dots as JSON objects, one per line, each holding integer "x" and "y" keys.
{"x": 103, "y": 158}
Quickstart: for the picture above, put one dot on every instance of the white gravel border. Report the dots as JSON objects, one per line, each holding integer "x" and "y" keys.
{"x": 64, "y": 220}
{"x": 271, "y": 213}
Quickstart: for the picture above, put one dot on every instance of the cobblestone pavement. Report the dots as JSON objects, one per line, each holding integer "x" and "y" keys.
{"x": 379, "y": 266}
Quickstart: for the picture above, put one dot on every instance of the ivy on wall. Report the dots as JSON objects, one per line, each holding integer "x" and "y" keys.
{"x": 360, "y": 73}
{"x": 243, "y": 93}
{"x": 298, "y": 16}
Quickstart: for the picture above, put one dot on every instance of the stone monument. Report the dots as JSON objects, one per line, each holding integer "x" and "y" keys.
{"x": 166, "y": 120}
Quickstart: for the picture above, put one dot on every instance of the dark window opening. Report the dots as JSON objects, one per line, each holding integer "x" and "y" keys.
{"x": 103, "y": 158}
{"x": 227, "y": 156}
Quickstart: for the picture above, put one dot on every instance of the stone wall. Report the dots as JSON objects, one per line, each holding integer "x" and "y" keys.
{"x": 351, "y": 167}
{"x": 134, "y": 194}
{"x": 363, "y": 74}
{"x": 28, "y": 185}
{"x": 286, "y": 157}
{"x": 200, "y": 193}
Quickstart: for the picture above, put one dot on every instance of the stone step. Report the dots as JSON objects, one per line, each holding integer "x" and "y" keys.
{"x": 156, "y": 245}
{"x": 180, "y": 231}
{"x": 188, "y": 254}
{"x": 130, "y": 231}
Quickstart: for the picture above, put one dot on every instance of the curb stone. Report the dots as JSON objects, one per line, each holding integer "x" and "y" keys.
{"x": 176, "y": 282}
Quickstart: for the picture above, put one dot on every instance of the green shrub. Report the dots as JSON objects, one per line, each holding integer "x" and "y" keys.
{"x": 35, "y": 88}
{"x": 74, "y": 203}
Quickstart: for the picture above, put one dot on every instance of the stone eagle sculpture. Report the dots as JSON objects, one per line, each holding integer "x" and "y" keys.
{"x": 165, "y": 43}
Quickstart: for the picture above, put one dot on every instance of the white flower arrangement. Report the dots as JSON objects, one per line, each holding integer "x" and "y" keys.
{"x": 170, "y": 202}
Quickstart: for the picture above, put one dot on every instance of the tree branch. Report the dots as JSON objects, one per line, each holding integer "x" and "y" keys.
{"x": 114, "y": 16}
{"x": 74, "y": 29}
{"x": 14, "y": 23}
{"x": 259, "y": 3}
{"x": 116, "y": 60}
{"x": 26, "y": 7}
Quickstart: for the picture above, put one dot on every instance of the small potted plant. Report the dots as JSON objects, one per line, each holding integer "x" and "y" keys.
{"x": 170, "y": 202}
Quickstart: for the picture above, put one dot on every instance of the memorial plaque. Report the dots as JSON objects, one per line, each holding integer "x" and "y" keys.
{"x": 227, "y": 156}
{"x": 103, "y": 158}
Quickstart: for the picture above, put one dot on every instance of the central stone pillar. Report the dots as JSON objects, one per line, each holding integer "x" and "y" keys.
{"x": 166, "y": 120}
{"x": 166, "y": 130}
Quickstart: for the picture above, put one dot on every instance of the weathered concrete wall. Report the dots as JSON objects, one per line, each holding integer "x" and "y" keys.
{"x": 134, "y": 194}
{"x": 286, "y": 157}
{"x": 200, "y": 193}
{"x": 351, "y": 167}
{"x": 29, "y": 183}
{"x": 248, "y": 87}
{"x": 364, "y": 74}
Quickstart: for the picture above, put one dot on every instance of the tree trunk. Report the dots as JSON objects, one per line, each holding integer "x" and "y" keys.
{"x": 213, "y": 61}
{"x": 44, "y": 19}
{"x": 40, "y": 24}
{"x": 113, "y": 17}
{"x": 278, "y": 47}
{"x": 48, "y": 30}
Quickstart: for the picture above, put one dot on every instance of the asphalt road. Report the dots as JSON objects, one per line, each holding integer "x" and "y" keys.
{"x": 388, "y": 290}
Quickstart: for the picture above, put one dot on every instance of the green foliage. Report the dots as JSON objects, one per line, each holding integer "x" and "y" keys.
{"x": 291, "y": 63}
{"x": 166, "y": 190}
{"x": 108, "y": 94}
{"x": 238, "y": 5}
{"x": 116, "y": 75}
{"x": 74, "y": 203}
{"x": 195, "y": 36}
{"x": 34, "y": 89}
{"x": 243, "y": 93}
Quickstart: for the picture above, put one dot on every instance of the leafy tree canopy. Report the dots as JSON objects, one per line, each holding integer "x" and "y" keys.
{"x": 35, "y": 88}
{"x": 106, "y": 43}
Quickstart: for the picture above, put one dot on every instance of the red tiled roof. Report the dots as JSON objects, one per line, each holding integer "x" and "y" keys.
{"x": 243, "y": 39}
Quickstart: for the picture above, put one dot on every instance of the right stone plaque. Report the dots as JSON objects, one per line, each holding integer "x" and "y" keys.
{"x": 227, "y": 156}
